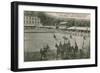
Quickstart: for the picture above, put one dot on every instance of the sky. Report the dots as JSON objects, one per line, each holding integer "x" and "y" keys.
{"x": 85, "y": 16}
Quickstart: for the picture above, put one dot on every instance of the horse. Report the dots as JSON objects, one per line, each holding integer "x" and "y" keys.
{"x": 44, "y": 52}
{"x": 59, "y": 49}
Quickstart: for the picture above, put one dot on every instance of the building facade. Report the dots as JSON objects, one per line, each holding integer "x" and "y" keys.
{"x": 31, "y": 19}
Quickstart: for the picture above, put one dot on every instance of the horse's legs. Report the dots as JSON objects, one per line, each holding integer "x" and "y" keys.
{"x": 56, "y": 54}
{"x": 41, "y": 56}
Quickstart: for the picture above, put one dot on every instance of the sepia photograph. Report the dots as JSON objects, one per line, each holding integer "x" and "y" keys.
{"x": 52, "y": 36}
{"x": 56, "y": 36}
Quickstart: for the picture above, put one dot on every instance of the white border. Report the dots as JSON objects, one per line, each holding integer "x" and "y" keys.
{"x": 22, "y": 64}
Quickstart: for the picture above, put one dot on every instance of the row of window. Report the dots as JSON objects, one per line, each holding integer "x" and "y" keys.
{"x": 31, "y": 20}
{"x": 30, "y": 17}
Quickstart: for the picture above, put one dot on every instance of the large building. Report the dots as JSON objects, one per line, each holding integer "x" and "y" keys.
{"x": 31, "y": 19}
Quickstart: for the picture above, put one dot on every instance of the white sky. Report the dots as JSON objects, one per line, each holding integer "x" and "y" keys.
{"x": 85, "y": 16}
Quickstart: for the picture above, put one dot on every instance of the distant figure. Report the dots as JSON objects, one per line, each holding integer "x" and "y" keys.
{"x": 59, "y": 50}
{"x": 76, "y": 50}
{"x": 72, "y": 41}
{"x": 44, "y": 52}
{"x": 65, "y": 38}
{"x": 41, "y": 53}
{"x": 54, "y": 36}
{"x": 84, "y": 42}
{"x": 85, "y": 47}
{"x": 76, "y": 47}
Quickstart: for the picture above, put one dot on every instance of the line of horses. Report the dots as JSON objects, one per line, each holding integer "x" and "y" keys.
{"x": 64, "y": 51}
